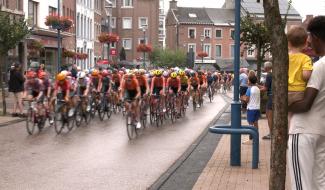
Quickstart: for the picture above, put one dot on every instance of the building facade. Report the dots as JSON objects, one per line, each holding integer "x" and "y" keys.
{"x": 162, "y": 29}
{"x": 211, "y": 30}
{"x": 85, "y": 42}
{"x": 135, "y": 21}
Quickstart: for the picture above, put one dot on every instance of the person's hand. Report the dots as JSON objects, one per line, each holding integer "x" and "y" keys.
{"x": 66, "y": 99}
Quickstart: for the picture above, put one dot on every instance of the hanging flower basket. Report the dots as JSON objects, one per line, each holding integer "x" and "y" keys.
{"x": 68, "y": 54}
{"x": 35, "y": 45}
{"x": 81, "y": 56}
{"x": 202, "y": 54}
{"x": 108, "y": 38}
{"x": 58, "y": 23}
{"x": 144, "y": 48}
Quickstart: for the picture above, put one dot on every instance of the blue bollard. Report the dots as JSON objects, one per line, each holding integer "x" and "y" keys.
{"x": 235, "y": 139}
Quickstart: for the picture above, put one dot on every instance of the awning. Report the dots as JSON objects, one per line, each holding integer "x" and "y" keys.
{"x": 228, "y": 64}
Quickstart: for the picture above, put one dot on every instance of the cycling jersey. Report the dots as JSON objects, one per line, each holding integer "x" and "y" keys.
{"x": 210, "y": 79}
{"x": 116, "y": 79}
{"x": 130, "y": 86}
{"x": 46, "y": 84}
{"x": 142, "y": 83}
{"x": 202, "y": 79}
{"x": 184, "y": 80}
{"x": 194, "y": 81}
{"x": 34, "y": 87}
{"x": 173, "y": 82}
{"x": 105, "y": 84}
{"x": 82, "y": 86}
{"x": 158, "y": 81}
{"x": 95, "y": 82}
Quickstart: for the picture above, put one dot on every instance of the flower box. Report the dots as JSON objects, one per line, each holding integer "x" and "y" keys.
{"x": 202, "y": 54}
{"x": 108, "y": 38}
{"x": 144, "y": 48}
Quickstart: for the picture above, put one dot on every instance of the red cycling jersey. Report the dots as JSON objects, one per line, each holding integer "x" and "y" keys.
{"x": 173, "y": 82}
{"x": 64, "y": 86}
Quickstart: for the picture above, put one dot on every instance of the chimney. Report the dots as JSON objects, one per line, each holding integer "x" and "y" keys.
{"x": 230, "y": 4}
{"x": 173, "y": 5}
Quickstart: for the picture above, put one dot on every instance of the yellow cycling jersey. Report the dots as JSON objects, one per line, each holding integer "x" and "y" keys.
{"x": 184, "y": 80}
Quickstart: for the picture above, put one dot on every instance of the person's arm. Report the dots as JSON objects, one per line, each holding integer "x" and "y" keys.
{"x": 152, "y": 84}
{"x": 122, "y": 90}
{"x": 306, "y": 75}
{"x": 179, "y": 84}
{"x": 305, "y": 104}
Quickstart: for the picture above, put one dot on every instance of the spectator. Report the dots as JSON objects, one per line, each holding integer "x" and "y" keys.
{"x": 268, "y": 88}
{"x": 16, "y": 86}
{"x": 306, "y": 143}
{"x": 243, "y": 85}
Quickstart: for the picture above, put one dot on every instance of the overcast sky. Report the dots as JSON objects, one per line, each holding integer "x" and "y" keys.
{"x": 304, "y": 7}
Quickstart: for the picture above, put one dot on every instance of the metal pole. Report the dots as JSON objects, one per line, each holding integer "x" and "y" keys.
{"x": 108, "y": 31}
{"x": 144, "y": 53}
{"x": 59, "y": 40}
{"x": 235, "y": 144}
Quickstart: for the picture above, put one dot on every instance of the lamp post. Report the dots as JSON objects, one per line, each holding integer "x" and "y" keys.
{"x": 107, "y": 9}
{"x": 202, "y": 40}
{"x": 59, "y": 39}
{"x": 144, "y": 27}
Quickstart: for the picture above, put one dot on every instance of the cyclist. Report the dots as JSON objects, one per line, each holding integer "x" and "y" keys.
{"x": 116, "y": 82}
{"x": 34, "y": 90}
{"x": 105, "y": 82}
{"x": 210, "y": 82}
{"x": 157, "y": 84}
{"x": 194, "y": 82}
{"x": 142, "y": 80}
{"x": 174, "y": 86}
{"x": 47, "y": 91}
{"x": 82, "y": 88}
{"x": 130, "y": 90}
{"x": 184, "y": 85}
{"x": 203, "y": 81}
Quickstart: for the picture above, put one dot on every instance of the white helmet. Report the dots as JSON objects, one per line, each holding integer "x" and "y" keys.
{"x": 81, "y": 75}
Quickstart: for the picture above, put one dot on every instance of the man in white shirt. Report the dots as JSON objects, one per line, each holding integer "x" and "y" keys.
{"x": 306, "y": 143}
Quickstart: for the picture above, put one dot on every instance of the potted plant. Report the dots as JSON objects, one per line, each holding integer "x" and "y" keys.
{"x": 53, "y": 21}
{"x": 144, "y": 48}
{"x": 66, "y": 23}
{"x": 108, "y": 38}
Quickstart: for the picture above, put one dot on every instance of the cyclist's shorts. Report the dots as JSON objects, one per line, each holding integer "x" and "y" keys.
{"x": 156, "y": 90}
{"x": 105, "y": 88}
{"x": 184, "y": 88}
{"x": 195, "y": 87}
{"x": 175, "y": 90}
{"x": 116, "y": 86}
{"x": 143, "y": 90}
{"x": 130, "y": 94}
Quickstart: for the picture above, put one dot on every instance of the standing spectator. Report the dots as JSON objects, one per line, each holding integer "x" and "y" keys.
{"x": 268, "y": 88}
{"x": 16, "y": 86}
{"x": 243, "y": 85}
{"x": 306, "y": 143}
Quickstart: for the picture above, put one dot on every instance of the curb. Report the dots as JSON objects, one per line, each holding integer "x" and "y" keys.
{"x": 172, "y": 169}
{"x": 12, "y": 122}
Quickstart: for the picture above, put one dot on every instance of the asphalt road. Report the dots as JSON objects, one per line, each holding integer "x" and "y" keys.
{"x": 98, "y": 156}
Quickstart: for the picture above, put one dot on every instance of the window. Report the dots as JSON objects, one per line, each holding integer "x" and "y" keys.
{"x": 232, "y": 50}
{"x": 78, "y": 25}
{"x": 113, "y": 45}
{"x": 32, "y": 13}
{"x": 127, "y": 23}
{"x": 82, "y": 26}
{"x": 127, "y": 3}
{"x": 142, "y": 40}
{"x": 191, "y": 46}
{"x": 18, "y": 5}
{"x": 191, "y": 33}
{"x": 113, "y": 3}
{"x": 143, "y": 21}
{"x": 52, "y": 10}
{"x": 232, "y": 34}
{"x": 218, "y": 51}
{"x": 218, "y": 33}
{"x": 207, "y": 32}
{"x": 127, "y": 43}
{"x": 207, "y": 49}
{"x": 250, "y": 52}
{"x": 113, "y": 22}
{"x": 192, "y": 15}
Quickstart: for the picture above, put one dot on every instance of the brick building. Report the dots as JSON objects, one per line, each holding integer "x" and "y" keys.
{"x": 128, "y": 19}
{"x": 211, "y": 30}
{"x": 69, "y": 42}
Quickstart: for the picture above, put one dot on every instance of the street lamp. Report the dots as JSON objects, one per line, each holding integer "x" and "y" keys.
{"x": 107, "y": 10}
{"x": 202, "y": 40}
{"x": 59, "y": 39}
{"x": 144, "y": 27}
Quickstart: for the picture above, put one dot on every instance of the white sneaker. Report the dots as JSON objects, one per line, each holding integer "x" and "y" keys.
{"x": 138, "y": 125}
{"x": 198, "y": 106}
{"x": 164, "y": 110}
{"x": 88, "y": 108}
{"x": 51, "y": 121}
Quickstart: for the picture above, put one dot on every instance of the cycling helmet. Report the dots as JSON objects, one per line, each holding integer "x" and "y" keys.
{"x": 104, "y": 73}
{"x": 65, "y": 72}
{"x": 95, "y": 73}
{"x": 122, "y": 72}
{"x": 165, "y": 74}
{"x": 31, "y": 74}
{"x": 81, "y": 75}
{"x": 42, "y": 75}
{"x": 142, "y": 71}
{"x": 181, "y": 73}
{"x": 158, "y": 73}
{"x": 60, "y": 77}
{"x": 173, "y": 75}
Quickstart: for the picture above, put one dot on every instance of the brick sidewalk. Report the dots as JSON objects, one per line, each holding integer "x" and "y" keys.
{"x": 6, "y": 120}
{"x": 218, "y": 174}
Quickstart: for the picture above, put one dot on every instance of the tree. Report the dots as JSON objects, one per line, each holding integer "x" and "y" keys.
{"x": 168, "y": 58}
{"x": 12, "y": 31}
{"x": 122, "y": 54}
{"x": 255, "y": 36}
{"x": 279, "y": 49}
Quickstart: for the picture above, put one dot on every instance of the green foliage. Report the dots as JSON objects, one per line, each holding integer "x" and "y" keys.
{"x": 11, "y": 32}
{"x": 168, "y": 58}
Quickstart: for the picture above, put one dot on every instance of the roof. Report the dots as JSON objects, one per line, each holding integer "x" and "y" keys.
{"x": 221, "y": 16}
{"x": 183, "y": 15}
{"x": 253, "y": 7}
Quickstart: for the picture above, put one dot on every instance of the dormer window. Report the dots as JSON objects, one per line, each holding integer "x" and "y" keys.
{"x": 192, "y": 15}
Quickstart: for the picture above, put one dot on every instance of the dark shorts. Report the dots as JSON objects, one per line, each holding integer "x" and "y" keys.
{"x": 156, "y": 90}
{"x": 242, "y": 90}
{"x": 195, "y": 87}
{"x": 184, "y": 88}
{"x": 143, "y": 90}
{"x": 253, "y": 115}
{"x": 130, "y": 94}
{"x": 269, "y": 103}
{"x": 175, "y": 90}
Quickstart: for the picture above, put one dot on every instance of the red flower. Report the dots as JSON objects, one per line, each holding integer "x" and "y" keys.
{"x": 202, "y": 54}
{"x": 108, "y": 38}
{"x": 81, "y": 56}
{"x": 144, "y": 48}
{"x": 56, "y": 22}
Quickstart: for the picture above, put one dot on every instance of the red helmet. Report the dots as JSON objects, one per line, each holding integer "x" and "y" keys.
{"x": 42, "y": 75}
{"x": 31, "y": 74}
{"x": 104, "y": 73}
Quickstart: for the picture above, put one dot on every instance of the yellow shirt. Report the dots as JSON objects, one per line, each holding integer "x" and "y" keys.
{"x": 298, "y": 62}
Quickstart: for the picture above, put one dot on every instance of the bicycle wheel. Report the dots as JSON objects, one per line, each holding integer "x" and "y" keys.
{"x": 102, "y": 109}
{"x": 172, "y": 110}
{"x": 78, "y": 115}
{"x": 194, "y": 104}
{"x": 30, "y": 124}
{"x": 70, "y": 119}
{"x": 108, "y": 109}
{"x": 130, "y": 127}
{"x": 93, "y": 108}
{"x": 59, "y": 122}
{"x": 210, "y": 94}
